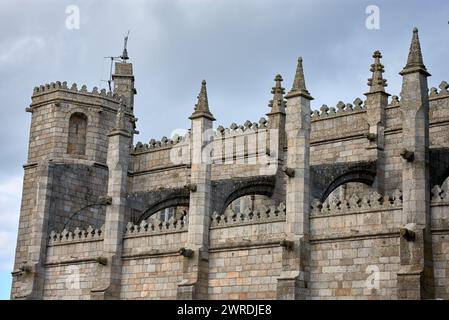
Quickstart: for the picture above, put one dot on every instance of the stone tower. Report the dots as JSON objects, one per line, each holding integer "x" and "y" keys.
{"x": 66, "y": 174}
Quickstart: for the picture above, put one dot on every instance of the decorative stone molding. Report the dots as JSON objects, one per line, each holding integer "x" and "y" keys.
{"x": 77, "y": 235}
{"x": 247, "y": 127}
{"x": 165, "y": 142}
{"x": 156, "y": 226}
{"x": 440, "y": 194}
{"x": 357, "y": 203}
{"x": 394, "y": 102}
{"x": 248, "y": 216}
{"x": 443, "y": 93}
{"x": 54, "y": 86}
{"x": 341, "y": 109}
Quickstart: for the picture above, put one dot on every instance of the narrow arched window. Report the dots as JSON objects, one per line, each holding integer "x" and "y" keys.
{"x": 77, "y": 134}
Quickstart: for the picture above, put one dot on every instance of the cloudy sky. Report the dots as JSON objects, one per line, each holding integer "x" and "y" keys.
{"x": 237, "y": 46}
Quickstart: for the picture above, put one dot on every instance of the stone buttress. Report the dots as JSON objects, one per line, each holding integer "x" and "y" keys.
{"x": 415, "y": 278}
{"x": 109, "y": 269}
{"x": 196, "y": 260}
{"x": 292, "y": 283}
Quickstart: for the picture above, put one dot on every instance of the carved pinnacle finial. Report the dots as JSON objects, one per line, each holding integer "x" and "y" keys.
{"x": 415, "y": 59}
{"x": 277, "y": 104}
{"x": 203, "y": 103}
{"x": 299, "y": 84}
{"x": 377, "y": 82}
{"x": 202, "y": 107}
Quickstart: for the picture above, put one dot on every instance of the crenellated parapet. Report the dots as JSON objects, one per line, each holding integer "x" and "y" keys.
{"x": 341, "y": 109}
{"x": 439, "y": 94}
{"x": 250, "y": 132}
{"x": 154, "y": 226}
{"x": 60, "y": 91}
{"x": 344, "y": 121}
{"x": 53, "y": 86}
{"x": 77, "y": 235}
{"x": 264, "y": 214}
{"x": 439, "y": 116}
{"x": 163, "y": 143}
{"x": 248, "y": 127}
{"x": 372, "y": 201}
{"x": 394, "y": 103}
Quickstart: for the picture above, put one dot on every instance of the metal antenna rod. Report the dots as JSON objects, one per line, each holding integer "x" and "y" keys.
{"x": 109, "y": 81}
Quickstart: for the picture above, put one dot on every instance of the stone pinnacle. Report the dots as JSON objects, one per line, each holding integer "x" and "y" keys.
{"x": 377, "y": 82}
{"x": 415, "y": 59}
{"x": 202, "y": 106}
{"x": 299, "y": 84}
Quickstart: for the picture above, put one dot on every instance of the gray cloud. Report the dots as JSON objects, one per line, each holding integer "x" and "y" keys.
{"x": 238, "y": 46}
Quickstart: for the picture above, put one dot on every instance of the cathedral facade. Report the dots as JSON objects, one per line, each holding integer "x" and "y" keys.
{"x": 345, "y": 202}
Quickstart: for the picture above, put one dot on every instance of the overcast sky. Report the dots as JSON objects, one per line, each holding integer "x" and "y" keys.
{"x": 237, "y": 46}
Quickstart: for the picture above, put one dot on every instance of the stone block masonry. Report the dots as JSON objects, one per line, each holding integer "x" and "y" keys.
{"x": 338, "y": 202}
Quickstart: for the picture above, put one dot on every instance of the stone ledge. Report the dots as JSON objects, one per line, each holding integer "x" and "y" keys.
{"x": 55, "y": 244}
{"x": 126, "y": 237}
{"x": 440, "y": 231}
{"x": 69, "y": 262}
{"x": 434, "y": 203}
{"x": 157, "y": 169}
{"x": 355, "y": 237}
{"x": 358, "y": 135}
{"x": 247, "y": 224}
{"x": 151, "y": 254}
{"x": 32, "y": 165}
{"x": 246, "y": 245}
{"x": 355, "y": 212}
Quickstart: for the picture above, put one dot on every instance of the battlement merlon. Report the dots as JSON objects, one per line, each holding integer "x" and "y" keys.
{"x": 57, "y": 92}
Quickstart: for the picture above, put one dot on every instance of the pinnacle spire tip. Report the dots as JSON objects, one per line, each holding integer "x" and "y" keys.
{"x": 377, "y": 83}
{"x": 202, "y": 106}
{"x": 377, "y": 54}
{"x": 299, "y": 84}
{"x": 415, "y": 59}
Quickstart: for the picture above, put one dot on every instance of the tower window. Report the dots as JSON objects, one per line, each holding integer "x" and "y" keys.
{"x": 77, "y": 134}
